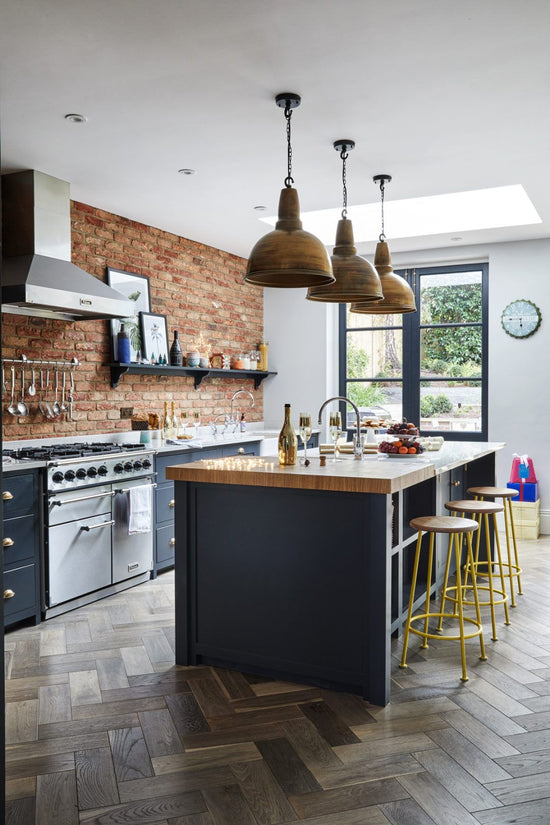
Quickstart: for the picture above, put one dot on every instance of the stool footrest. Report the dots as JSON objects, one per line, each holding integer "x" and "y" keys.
{"x": 446, "y": 636}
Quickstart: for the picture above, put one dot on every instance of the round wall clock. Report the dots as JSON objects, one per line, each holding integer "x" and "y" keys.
{"x": 521, "y": 318}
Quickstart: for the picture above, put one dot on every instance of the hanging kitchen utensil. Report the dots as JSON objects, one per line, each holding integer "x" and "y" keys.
{"x": 13, "y": 406}
{"x": 41, "y": 405}
{"x": 47, "y": 405}
{"x": 3, "y": 378}
{"x": 32, "y": 388}
{"x": 64, "y": 407}
{"x": 56, "y": 409}
{"x": 22, "y": 408}
{"x": 71, "y": 393}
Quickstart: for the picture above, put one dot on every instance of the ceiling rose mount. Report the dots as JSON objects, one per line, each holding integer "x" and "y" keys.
{"x": 289, "y": 256}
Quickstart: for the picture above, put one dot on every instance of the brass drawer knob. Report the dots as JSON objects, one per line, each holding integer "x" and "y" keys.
{"x": 8, "y": 542}
{"x": 171, "y": 503}
{"x": 455, "y": 483}
{"x": 8, "y": 594}
{"x": 241, "y": 451}
{"x": 172, "y": 542}
{"x": 7, "y": 496}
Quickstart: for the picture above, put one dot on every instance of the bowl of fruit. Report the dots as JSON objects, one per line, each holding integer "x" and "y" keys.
{"x": 402, "y": 442}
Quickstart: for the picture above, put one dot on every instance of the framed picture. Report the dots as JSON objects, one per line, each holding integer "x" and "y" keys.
{"x": 136, "y": 289}
{"x": 154, "y": 337}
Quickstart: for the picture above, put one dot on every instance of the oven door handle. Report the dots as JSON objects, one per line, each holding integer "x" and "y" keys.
{"x": 58, "y": 502}
{"x": 89, "y": 527}
{"x": 138, "y": 487}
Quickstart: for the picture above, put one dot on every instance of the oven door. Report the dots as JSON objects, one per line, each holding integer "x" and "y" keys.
{"x": 79, "y": 543}
{"x": 132, "y": 553}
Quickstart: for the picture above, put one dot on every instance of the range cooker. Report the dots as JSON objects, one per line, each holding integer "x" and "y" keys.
{"x": 89, "y": 552}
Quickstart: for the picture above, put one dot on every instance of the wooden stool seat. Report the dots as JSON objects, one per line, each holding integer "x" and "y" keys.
{"x": 513, "y": 566}
{"x": 484, "y": 567}
{"x": 493, "y": 492}
{"x": 444, "y": 524}
{"x": 456, "y": 528}
{"x": 474, "y": 507}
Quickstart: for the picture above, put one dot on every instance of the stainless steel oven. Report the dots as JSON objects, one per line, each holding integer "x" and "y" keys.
{"x": 89, "y": 550}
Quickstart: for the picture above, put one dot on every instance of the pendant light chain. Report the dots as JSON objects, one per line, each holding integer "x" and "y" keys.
{"x": 289, "y": 180}
{"x": 344, "y": 155}
{"x": 382, "y": 236}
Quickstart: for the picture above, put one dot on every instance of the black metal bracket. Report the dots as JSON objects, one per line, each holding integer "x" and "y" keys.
{"x": 118, "y": 369}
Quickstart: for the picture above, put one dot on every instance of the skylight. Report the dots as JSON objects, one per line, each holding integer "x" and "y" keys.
{"x": 435, "y": 215}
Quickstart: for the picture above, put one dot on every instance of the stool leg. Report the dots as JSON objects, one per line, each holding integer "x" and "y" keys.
{"x": 510, "y": 562}
{"x": 490, "y": 574}
{"x": 499, "y": 556}
{"x": 470, "y": 557}
{"x": 458, "y": 558}
{"x": 411, "y": 600}
{"x": 520, "y": 591}
{"x": 445, "y": 582}
{"x": 428, "y": 588}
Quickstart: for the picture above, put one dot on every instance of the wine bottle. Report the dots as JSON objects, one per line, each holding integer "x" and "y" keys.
{"x": 176, "y": 354}
{"x": 288, "y": 443}
{"x": 123, "y": 346}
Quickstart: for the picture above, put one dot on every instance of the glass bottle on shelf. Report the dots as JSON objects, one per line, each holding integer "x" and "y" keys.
{"x": 262, "y": 347}
{"x": 176, "y": 354}
{"x": 288, "y": 443}
{"x": 166, "y": 423}
{"x": 174, "y": 421}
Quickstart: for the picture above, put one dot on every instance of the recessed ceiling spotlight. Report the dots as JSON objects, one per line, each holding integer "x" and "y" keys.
{"x": 75, "y": 118}
{"x": 457, "y": 238}
{"x": 260, "y": 208}
{"x": 186, "y": 171}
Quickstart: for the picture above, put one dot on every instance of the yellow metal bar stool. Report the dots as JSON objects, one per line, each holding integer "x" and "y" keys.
{"x": 484, "y": 567}
{"x": 513, "y": 566}
{"x": 456, "y": 528}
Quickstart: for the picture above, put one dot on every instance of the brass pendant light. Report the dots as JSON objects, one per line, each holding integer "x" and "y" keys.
{"x": 398, "y": 296}
{"x": 288, "y": 256}
{"x": 356, "y": 278}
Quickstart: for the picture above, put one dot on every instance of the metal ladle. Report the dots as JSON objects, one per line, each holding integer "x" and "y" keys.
{"x": 22, "y": 408}
{"x": 32, "y": 387}
{"x": 13, "y": 406}
{"x": 56, "y": 409}
{"x": 63, "y": 407}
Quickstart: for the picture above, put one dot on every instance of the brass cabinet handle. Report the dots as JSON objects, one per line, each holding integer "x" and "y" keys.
{"x": 8, "y": 594}
{"x": 171, "y": 503}
{"x": 7, "y": 496}
{"x": 241, "y": 451}
{"x": 8, "y": 542}
{"x": 172, "y": 542}
{"x": 455, "y": 483}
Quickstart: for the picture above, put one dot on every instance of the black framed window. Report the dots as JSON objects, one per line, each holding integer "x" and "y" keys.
{"x": 428, "y": 366}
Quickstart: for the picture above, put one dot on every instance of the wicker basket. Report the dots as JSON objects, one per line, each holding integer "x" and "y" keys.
{"x": 140, "y": 425}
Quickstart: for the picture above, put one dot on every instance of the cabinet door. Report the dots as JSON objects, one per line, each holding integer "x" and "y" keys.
{"x": 252, "y": 448}
{"x": 21, "y": 581}
{"x": 165, "y": 546}
{"x": 165, "y": 503}
{"x": 164, "y": 461}
{"x": 456, "y": 490}
{"x": 20, "y": 539}
{"x": 19, "y": 494}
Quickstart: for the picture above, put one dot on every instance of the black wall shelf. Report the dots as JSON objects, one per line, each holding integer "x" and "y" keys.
{"x": 119, "y": 368}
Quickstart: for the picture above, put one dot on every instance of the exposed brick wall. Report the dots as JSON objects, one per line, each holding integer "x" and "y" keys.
{"x": 201, "y": 291}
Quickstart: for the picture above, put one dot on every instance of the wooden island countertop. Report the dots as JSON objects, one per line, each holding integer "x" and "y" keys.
{"x": 373, "y": 474}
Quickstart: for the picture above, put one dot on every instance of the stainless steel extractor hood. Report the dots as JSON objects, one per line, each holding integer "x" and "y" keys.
{"x": 38, "y": 277}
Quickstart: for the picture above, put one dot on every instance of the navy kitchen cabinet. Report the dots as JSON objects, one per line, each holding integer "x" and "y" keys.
{"x": 21, "y": 546}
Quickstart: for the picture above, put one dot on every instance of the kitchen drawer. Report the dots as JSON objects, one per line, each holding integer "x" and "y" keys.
{"x": 165, "y": 546}
{"x": 250, "y": 448}
{"x": 22, "y": 581}
{"x": 20, "y": 539}
{"x": 214, "y": 452}
{"x": 164, "y": 461}
{"x": 19, "y": 494}
{"x": 165, "y": 503}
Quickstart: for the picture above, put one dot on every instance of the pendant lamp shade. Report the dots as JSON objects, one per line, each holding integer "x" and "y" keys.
{"x": 289, "y": 256}
{"x": 355, "y": 278}
{"x": 398, "y": 296}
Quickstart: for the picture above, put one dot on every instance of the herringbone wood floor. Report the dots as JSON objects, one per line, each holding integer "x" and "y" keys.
{"x": 103, "y": 728}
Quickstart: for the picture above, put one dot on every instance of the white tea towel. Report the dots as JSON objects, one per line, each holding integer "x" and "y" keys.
{"x": 140, "y": 509}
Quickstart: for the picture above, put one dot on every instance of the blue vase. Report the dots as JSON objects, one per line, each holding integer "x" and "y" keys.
{"x": 123, "y": 346}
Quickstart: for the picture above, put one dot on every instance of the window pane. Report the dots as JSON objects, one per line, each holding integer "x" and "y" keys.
{"x": 451, "y": 298}
{"x": 378, "y": 398}
{"x": 450, "y": 405}
{"x": 455, "y": 352}
{"x": 355, "y": 320}
{"x": 375, "y": 354}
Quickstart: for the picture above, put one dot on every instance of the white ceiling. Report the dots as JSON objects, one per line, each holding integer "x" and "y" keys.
{"x": 446, "y": 96}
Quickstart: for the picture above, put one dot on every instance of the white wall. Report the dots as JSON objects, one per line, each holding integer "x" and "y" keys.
{"x": 304, "y": 350}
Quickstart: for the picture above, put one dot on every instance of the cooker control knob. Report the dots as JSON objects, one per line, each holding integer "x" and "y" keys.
{"x": 128, "y": 466}
{"x": 146, "y": 463}
{"x": 70, "y": 475}
{"x": 102, "y": 470}
{"x": 58, "y": 477}
{"x": 137, "y": 465}
{"x": 81, "y": 472}
{"x": 92, "y": 472}
{"x": 118, "y": 468}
